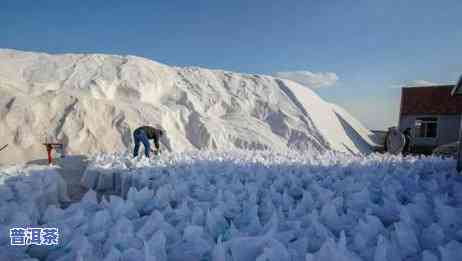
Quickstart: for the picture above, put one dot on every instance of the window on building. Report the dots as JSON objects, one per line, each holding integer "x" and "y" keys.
{"x": 426, "y": 127}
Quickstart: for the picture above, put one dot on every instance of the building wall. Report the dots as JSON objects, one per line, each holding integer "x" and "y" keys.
{"x": 447, "y": 129}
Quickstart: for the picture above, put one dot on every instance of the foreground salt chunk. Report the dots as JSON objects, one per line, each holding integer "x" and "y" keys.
{"x": 331, "y": 250}
{"x": 386, "y": 250}
{"x": 113, "y": 255}
{"x": 155, "y": 248}
{"x": 192, "y": 247}
{"x": 432, "y": 236}
{"x": 274, "y": 251}
{"x": 429, "y": 256}
{"x": 219, "y": 252}
{"x": 406, "y": 238}
{"x": 451, "y": 251}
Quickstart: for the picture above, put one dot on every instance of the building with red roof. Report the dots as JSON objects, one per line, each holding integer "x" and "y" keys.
{"x": 432, "y": 114}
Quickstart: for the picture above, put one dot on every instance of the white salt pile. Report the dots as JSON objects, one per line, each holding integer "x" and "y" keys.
{"x": 93, "y": 102}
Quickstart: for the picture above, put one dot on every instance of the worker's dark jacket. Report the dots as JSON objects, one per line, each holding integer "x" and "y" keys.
{"x": 152, "y": 133}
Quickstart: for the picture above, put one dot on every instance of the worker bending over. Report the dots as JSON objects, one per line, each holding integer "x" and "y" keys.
{"x": 143, "y": 135}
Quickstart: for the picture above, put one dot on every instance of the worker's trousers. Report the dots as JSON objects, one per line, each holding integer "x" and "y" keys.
{"x": 141, "y": 137}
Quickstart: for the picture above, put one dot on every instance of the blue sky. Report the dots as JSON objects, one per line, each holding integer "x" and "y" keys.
{"x": 370, "y": 46}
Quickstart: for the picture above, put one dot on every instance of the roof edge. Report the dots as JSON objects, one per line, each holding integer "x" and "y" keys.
{"x": 457, "y": 87}
{"x": 428, "y": 86}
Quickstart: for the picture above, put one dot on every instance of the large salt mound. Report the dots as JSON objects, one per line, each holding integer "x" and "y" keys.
{"x": 93, "y": 102}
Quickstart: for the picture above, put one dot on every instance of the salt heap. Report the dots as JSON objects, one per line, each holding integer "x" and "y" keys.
{"x": 93, "y": 102}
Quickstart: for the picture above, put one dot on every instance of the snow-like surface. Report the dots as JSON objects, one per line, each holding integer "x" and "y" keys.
{"x": 93, "y": 102}
{"x": 241, "y": 205}
{"x": 26, "y": 193}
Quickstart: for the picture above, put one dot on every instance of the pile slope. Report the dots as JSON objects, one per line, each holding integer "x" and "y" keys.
{"x": 93, "y": 102}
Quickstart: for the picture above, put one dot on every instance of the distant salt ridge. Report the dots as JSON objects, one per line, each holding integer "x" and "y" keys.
{"x": 94, "y": 101}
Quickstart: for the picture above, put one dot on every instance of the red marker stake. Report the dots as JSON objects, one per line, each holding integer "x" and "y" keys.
{"x": 49, "y": 148}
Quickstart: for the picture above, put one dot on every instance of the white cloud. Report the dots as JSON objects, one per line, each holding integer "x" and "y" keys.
{"x": 310, "y": 79}
{"x": 414, "y": 83}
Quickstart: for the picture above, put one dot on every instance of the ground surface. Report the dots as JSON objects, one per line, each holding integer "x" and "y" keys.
{"x": 242, "y": 206}
{"x": 71, "y": 169}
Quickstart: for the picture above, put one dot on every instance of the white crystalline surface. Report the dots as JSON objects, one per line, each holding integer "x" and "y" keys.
{"x": 240, "y": 205}
{"x": 25, "y": 194}
{"x": 94, "y": 102}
